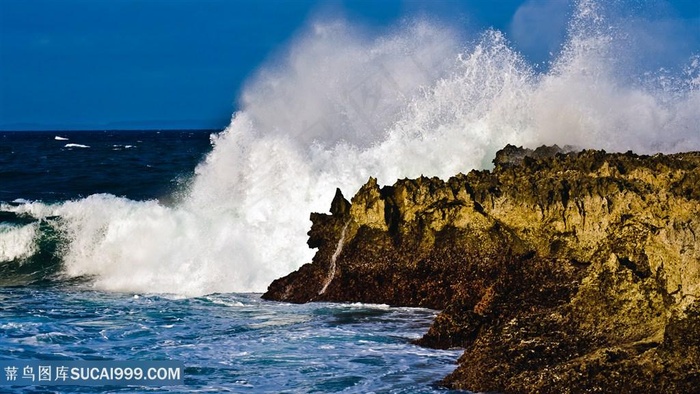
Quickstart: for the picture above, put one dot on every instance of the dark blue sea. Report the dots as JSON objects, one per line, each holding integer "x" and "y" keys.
{"x": 62, "y": 191}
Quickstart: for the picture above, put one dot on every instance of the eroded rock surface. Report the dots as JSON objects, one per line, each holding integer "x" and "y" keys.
{"x": 556, "y": 272}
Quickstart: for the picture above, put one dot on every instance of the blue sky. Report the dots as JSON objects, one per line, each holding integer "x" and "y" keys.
{"x": 168, "y": 64}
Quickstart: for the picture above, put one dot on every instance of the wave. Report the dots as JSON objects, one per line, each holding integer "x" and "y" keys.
{"x": 342, "y": 105}
{"x": 120, "y": 147}
{"x": 17, "y": 242}
{"x": 76, "y": 146}
{"x": 28, "y": 251}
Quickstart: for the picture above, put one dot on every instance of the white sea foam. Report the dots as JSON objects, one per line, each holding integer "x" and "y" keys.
{"x": 59, "y": 138}
{"x": 76, "y": 146}
{"x": 342, "y": 106}
{"x": 17, "y": 243}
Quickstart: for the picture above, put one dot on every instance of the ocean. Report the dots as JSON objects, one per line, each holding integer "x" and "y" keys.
{"x": 229, "y": 342}
{"x": 147, "y": 245}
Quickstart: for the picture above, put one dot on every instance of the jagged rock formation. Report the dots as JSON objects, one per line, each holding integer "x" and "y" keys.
{"x": 556, "y": 272}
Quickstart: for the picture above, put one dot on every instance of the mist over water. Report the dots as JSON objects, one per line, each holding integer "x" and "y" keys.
{"x": 342, "y": 105}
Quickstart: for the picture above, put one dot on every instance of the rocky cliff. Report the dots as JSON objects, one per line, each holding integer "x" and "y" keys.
{"x": 557, "y": 272}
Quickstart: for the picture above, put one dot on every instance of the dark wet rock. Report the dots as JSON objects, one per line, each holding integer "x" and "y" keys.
{"x": 340, "y": 207}
{"x": 557, "y": 272}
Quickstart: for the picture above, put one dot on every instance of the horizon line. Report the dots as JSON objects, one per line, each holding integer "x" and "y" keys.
{"x": 105, "y": 130}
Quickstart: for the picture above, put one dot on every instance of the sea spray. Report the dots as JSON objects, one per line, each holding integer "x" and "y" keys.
{"x": 341, "y": 106}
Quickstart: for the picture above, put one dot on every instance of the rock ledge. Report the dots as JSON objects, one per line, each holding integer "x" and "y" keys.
{"x": 556, "y": 272}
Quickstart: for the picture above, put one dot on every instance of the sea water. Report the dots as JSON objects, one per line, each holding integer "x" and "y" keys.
{"x": 158, "y": 241}
{"x": 229, "y": 342}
